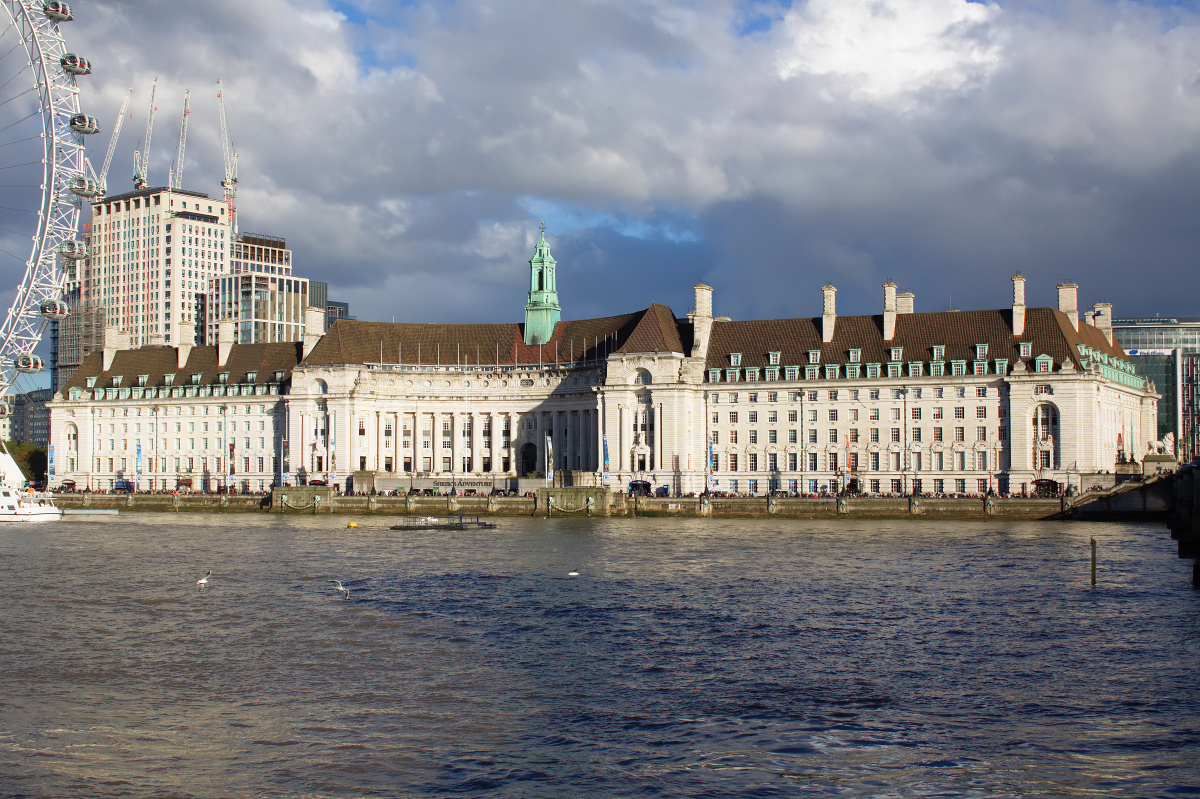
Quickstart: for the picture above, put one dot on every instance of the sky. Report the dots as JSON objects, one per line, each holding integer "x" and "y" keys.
{"x": 408, "y": 151}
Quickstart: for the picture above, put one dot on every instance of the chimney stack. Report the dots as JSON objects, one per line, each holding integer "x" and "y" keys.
{"x": 114, "y": 342}
{"x": 828, "y": 313}
{"x": 314, "y": 327}
{"x": 889, "y": 311}
{"x": 905, "y": 302}
{"x": 702, "y": 320}
{"x": 225, "y": 336}
{"x": 1102, "y": 319}
{"x": 185, "y": 339}
{"x": 1018, "y": 319}
{"x": 1068, "y": 302}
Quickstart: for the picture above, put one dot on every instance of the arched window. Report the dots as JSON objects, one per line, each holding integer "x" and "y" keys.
{"x": 541, "y": 281}
{"x": 72, "y": 438}
{"x": 321, "y": 387}
{"x": 1045, "y": 437}
{"x": 643, "y": 377}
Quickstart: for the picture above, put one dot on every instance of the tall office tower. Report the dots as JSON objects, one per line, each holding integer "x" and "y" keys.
{"x": 1167, "y": 349}
{"x": 260, "y": 294}
{"x": 153, "y": 254}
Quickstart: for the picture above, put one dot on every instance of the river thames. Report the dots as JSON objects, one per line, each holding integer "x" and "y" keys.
{"x": 692, "y": 658}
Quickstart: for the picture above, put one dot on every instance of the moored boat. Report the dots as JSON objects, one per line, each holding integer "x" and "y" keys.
{"x": 459, "y": 522}
{"x": 27, "y": 506}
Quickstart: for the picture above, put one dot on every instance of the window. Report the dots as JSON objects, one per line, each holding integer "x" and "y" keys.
{"x": 1001, "y": 366}
{"x": 874, "y": 435}
{"x": 916, "y": 414}
{"x": 894, "y": 413}
{"x": 981, "y": 434}
{"x": 914, "y": 369}
{"x": 981, "y": 391}
{"x": 937, "y": 370}
{"x": 852, "y": 371}
{"x": 791, "y": 416}
{"x": 874, "y": 415}
{"x": 960, "y": 434}
{"x": 714, "y": 375}
{"x": 980, "y": 367}
{"x": 812, "y": 414}
{"x": 895, "y": 434}
{"x": 960, "y": 413}
{"x": 855, "y": 356}
{"x": 833, "y": 414}
{"x": 773, "y": 358}
{"x": 939, "y": 353}
{"x": 814, "y": 356}
{"x": 854, "y": 435}
{"x": 873, "y": 394}
{"x": 833, "y": 436}
{"x": 733, "y": 467}
{"x": 981, "y": 351}
{"x": 753, "y": 417}
{"x": 753, "y": 436}
{"x": 772, "y": 436}
{"x": 716, "y": 418}
{"x": 772, "y": 396}
{"x": 937, "y": 434}
{"x": 811, "y": 373}
{"x": 715, "y": 438}
{"x": 752, "y": 376}
{"x": 958, "y": 368}
{"x": 733, "y": 436}
{"x": 981, "y": 412}
{"x": 916, "y": 435}
{"x": 733, "y": 417}
{"x": 872, "y": 371}
{"x": 854, "y": 414}
{"x": 733, "y": 397}
{"x": 791, "y": 436}
{"x": 753, "y": 462}
{"x": 791, "y": 373}
{"x": 875, "y": 462}
{"x": 812, "y": 396}
{"x": 731, "y": 375}
{"x": 735, "y": 359}
{"x": 831, "y": 371}
{"x": 754, "y": 396}
{"x": 772, "y": 417}
{"x": 812, "y": 467}
{"x": 895, "y": 353}
{"x": 812, "y": 435}
{"x": 1026, "y": 349}
{"x": 1043, "y": 364}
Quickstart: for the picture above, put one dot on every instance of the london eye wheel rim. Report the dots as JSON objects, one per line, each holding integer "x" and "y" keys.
{"x": 62, "y": 162}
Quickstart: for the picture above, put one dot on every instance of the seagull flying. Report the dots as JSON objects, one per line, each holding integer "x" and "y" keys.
{"x": 203, "y": 581}
{"x": 337, "y": 586}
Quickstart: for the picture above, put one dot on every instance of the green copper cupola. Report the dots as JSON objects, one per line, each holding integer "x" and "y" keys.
{"x": 541, "y": 312}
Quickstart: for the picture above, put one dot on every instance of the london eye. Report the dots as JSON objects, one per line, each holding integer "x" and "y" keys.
{"x": 44, "y": 175}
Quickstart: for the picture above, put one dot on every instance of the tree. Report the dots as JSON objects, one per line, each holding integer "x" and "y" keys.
{"x": 31, "y": 458}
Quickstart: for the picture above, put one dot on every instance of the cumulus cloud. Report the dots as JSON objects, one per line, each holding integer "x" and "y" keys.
{"x": 408, "y": 151}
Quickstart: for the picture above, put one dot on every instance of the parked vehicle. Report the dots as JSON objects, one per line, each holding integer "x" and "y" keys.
{"x": 126, "y": 486}
{"x": 663, "y": 491}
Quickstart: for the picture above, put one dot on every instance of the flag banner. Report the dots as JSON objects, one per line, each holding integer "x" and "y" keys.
{"x": 605, "y": 481}
{"x": 49, "y": 465}
{"x": 711, "y": 481}
{"x": 138, "y": 477}
{"x": 549, "y": 460}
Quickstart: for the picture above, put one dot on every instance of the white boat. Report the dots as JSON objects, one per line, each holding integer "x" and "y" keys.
{"x": 27, "y": 506}
{"x": 21, "y": 504}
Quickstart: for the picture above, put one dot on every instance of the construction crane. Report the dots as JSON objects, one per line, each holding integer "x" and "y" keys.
{"x": 141, "y": 158}
{"x": 230, "y": 181}
{"x": 95, "y": 187}
{"x": 177, "y": 171}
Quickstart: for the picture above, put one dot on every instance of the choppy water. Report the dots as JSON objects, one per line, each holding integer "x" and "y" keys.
{"x": 689, "y": 658}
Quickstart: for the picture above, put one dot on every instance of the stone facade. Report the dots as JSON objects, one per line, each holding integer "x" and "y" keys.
{"x": 903, "y": 402}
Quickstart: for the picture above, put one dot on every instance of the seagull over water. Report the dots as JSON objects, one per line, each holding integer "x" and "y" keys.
{"x": 337, "y": 586}
{"x": 203, "y": 581}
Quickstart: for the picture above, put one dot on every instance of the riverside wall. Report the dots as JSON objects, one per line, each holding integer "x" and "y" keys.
{"x": 573, "y": 502}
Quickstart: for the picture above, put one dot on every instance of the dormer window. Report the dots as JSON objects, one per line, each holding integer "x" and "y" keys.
{"x": 980, "y": 352}
{"x": 91, "y": 382}
{"x": 855, "y": 356}
{"x": 814, "y": 356}
{"x": 939, "y": 353}
{"x": 278, "y": 375}
{"x": 1026, "y": 349}
{"x": 169, "y": 379}
{"x": 1043, "y": 363}
{"x": 143, "y": 380}
{"x": 222, "y": 377}
{"x": 117, "y": 381}
{"x": 896, "y": 353}
{"x": 735, "y": 359}
{"x": 773, "y": 358}
{"x": 251, "y": 377}
{"x": 195, "y": 378}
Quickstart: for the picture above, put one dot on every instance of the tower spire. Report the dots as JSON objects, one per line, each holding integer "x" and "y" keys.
{"x": 542, "y": 311}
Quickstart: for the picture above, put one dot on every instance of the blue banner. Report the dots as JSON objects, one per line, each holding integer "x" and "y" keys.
{"x": 605, "y": 481}
{"x": 49, "y": 465}
{"x": 549, "y": 460}
{"x": 139, "y": 463}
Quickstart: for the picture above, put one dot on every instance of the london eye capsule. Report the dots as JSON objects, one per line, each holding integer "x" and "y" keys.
{"x": 4, "y": 410}
{"x": 84, "y": 187}
{"x": 82, "y": 123}
{"x": 57, "y": 11}
{"x": 55, "y": 310}
{"x": 72, "y": 250}
{"x": 29, "y": 363}
{"x": 76, "y": 64}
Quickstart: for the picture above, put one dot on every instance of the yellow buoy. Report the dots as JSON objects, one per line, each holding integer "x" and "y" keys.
{"x": 352, "y": 524}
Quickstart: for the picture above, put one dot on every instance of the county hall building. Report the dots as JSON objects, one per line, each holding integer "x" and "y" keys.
{"x": 895, "y": 402}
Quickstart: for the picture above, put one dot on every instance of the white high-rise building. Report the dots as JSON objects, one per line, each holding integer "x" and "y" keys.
{"x": 259, "y": 294}
{"x": 153, "y": 254}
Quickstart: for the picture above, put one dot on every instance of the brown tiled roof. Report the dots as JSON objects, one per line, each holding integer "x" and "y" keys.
{"x": 350, "y": 341}
{"x": 159, "y": 361}
{"x": 1047, "y": 329}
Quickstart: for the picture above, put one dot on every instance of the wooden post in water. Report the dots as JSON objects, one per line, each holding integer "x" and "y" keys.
{"x": 1093, "y": 561}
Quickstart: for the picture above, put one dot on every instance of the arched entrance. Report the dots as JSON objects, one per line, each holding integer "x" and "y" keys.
{"x": 529, "y": 459}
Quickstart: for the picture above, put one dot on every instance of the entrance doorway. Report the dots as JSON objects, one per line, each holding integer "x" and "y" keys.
{"x": 529, "y": 458}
